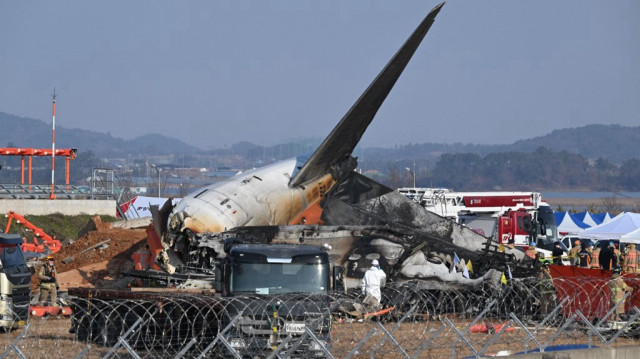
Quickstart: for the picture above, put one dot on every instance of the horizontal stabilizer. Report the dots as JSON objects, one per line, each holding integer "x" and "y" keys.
{"x": 341, "y": 142}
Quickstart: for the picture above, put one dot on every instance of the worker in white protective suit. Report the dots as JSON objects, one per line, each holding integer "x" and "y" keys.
{"x": 373, "y": 279}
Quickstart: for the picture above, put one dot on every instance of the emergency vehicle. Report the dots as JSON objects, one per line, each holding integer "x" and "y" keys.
{"x": 517, "y": 218}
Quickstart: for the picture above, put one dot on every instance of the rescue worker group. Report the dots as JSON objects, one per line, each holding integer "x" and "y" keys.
{"x": 608, "y": 257}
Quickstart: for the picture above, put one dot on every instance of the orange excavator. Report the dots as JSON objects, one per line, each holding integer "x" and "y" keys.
{"x": 38, "y": 246}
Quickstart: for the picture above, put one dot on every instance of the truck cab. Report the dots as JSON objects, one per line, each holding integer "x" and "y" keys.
{"x": 15, "y": 283}
{"x": 277, "y": 269}
{"x": 278, "y": 291}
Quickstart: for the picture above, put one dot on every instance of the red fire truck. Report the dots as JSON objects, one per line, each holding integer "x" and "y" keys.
{"x": 517, "y": 218}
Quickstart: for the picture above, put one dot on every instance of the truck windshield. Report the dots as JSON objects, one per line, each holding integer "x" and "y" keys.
{"x": 277, "y": 278}
{"x": 547, "y": 228}
{"x": 11, "y": 257}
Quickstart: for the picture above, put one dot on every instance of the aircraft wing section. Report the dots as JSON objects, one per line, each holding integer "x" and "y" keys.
{"x": 342, "y": 140}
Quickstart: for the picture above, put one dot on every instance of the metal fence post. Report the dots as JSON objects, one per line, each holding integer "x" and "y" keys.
{"x": 13, "y": 345}
{"x": 361, "y": 343}
{"x": 428, "y": 341}
{"x": 615, "y": 307}
{"x": 496, "y": 336}
{"x": 404, "y": 317}
{"x": 84, "y": 352}
{"x": 557, "y": 333}
{"x": 218, "y": 337}
{"x": 186, "y": 348}
{"x": 549, "y": 316}
{"x": 393, "y": 340}
{"x": 122, "y": 338}
{"x": 523, "y": 327}
{"x": 624, "y": 327}
{"x": 477, "y": 319}
{"x": 592, "y": 329}
{"x": 461, "y": 336}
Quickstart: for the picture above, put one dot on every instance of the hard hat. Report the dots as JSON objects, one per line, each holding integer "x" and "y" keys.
{"x": 533, "y": 244}
{"x": 49, "y": 258}
{"x": 375, "y": 262}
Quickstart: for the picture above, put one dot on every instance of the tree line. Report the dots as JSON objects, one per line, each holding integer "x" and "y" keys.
{"x": 542, "y": 169}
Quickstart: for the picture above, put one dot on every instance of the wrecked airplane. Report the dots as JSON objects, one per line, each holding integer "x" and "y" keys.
{"x": 279, "y": 195}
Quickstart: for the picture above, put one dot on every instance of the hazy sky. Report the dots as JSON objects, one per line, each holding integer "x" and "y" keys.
{"x": 213, "y": 73}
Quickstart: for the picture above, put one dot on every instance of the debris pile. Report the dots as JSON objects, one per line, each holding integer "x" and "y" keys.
{"x": 97, "y": 258}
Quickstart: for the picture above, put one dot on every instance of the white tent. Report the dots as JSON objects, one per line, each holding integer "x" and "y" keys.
{"x": 632, "y": 237}
{"x": 620, "y": 225}
{"x": 587, "y": 218}
{"x": 568, "y": 224}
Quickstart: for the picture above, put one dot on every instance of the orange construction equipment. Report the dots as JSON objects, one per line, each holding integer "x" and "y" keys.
{"x": 47, "y": 310}
{"x": 46, "y": 240}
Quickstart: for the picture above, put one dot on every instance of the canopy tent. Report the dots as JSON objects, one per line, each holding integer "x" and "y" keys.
{"x": 620, "y": 225}
{"x": 587, "y": 218}
{"x": 567, "y": 224}
{"x": 603, "y": 217}
{"x": 632, "y": 237}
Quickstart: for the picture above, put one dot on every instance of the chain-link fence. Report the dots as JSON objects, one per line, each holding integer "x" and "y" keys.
{"x": 419, "y": 319}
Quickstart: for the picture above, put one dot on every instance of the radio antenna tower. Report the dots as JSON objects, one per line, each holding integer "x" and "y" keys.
{"x": 53, "y": 147}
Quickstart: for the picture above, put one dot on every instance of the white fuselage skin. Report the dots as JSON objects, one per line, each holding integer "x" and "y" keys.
{"x": 253, "y": 198}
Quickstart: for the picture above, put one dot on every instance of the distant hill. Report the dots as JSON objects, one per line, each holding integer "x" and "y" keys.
{"x": 25, "y": 132}
{"x": 611, "y": 142}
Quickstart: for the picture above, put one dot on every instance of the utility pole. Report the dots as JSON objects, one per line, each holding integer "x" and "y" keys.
{"x": 413, "y": 174}
{"x": 157, "y": 170}
{"x": 53, "y": 147}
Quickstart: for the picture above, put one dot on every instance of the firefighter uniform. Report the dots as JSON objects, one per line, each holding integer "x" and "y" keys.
{"x": 631, "y": 260}
{"x": 573, "y": 253}
{"x": 595, "y": 258}
{"x": 48, "y": 282}
{"x": 547, "y": 291}
{"x": 617, "y": 289}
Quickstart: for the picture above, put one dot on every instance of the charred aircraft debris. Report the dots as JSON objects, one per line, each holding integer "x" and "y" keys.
{"x": 216, "y": 232}
{"x": 361, "y": 218}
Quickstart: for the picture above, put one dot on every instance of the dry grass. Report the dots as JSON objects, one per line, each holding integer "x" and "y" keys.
{"x": 50, "y": 338}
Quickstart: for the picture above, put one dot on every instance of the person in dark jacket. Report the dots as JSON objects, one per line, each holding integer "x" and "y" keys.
{"x": 557, "y": 254}
{"x": 584, "y": 257}
{"x": 607, "y": 259}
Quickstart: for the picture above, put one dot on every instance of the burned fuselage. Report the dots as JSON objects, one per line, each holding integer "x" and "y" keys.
{"x": 277, "y": 194}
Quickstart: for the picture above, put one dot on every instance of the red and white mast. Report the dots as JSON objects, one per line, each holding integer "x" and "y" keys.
{"x": 53, "y": 147}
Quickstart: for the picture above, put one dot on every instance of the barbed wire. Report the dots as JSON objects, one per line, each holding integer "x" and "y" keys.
{"x": 416, "y": 320}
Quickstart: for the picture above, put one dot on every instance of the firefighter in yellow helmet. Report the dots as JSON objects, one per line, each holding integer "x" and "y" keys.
{"x": 617, "y": 290}
{"x": 48, "y": 282}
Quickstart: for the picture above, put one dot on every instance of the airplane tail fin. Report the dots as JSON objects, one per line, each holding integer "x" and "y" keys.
{"x": 342, "y": 140}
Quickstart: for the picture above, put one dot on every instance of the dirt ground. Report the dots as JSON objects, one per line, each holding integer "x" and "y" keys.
{"x": 99, "y": 267}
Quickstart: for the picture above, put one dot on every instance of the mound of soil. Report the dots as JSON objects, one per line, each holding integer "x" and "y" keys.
{"x": 100, "y": 267}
